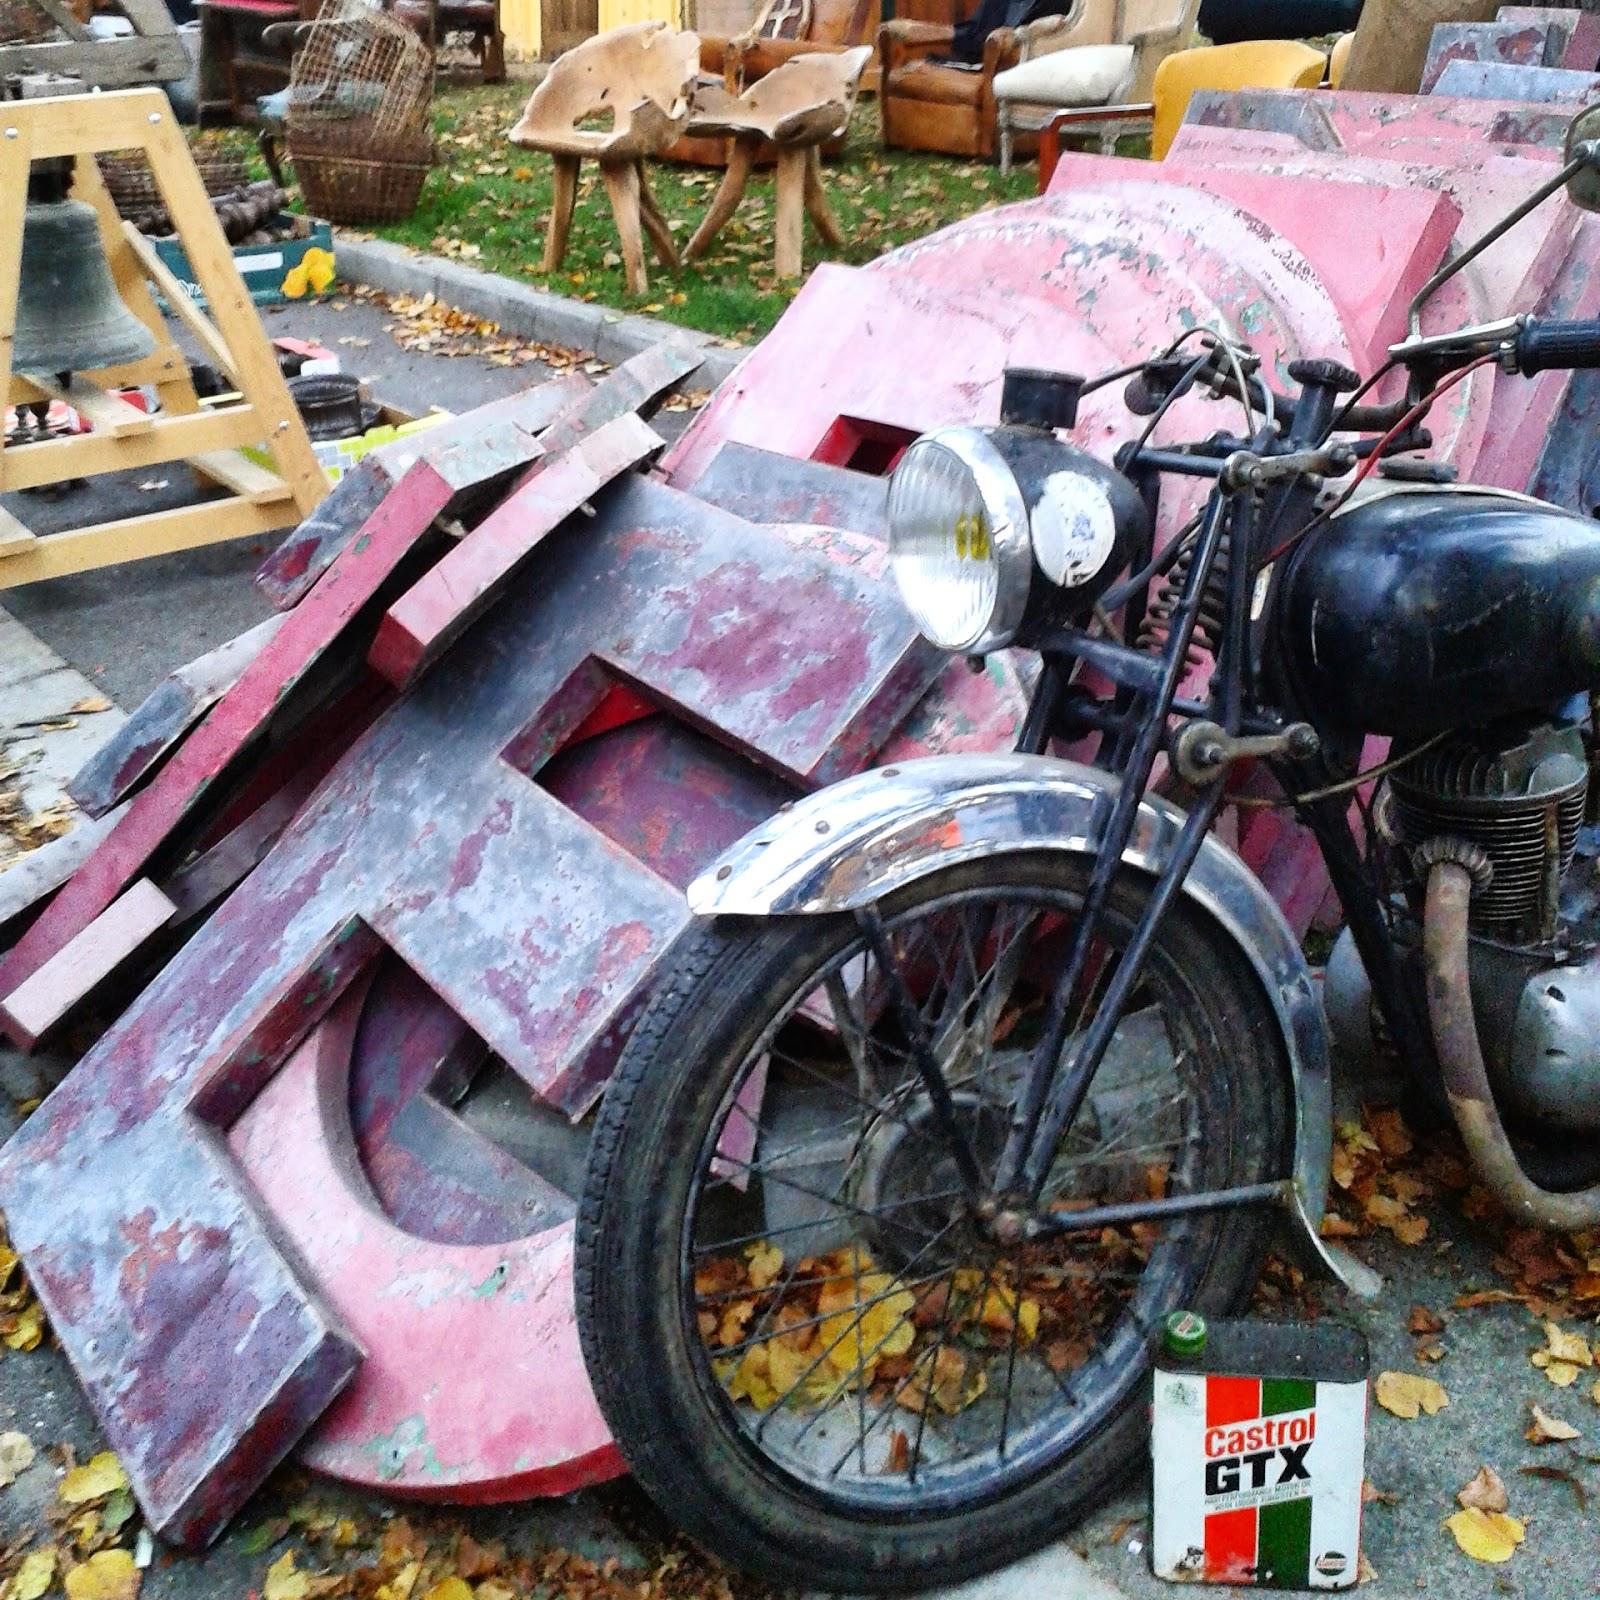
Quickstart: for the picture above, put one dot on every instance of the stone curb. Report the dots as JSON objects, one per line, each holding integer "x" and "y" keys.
{"x": 527, "y": 312}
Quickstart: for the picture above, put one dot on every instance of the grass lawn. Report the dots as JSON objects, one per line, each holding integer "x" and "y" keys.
{"x": 489, "y": 202}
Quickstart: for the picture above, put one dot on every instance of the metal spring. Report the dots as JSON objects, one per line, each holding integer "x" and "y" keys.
{"x": 1213, "y": 608}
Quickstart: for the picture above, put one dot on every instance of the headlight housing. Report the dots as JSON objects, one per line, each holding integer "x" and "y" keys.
{"x": 995, "y": 530}
{"x": 958, "y": 541}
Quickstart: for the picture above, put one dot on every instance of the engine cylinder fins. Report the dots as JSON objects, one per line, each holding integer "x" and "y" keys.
{"x": 1511, "y": 790}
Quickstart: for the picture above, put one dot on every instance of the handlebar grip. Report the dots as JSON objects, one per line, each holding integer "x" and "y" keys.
{"x": 1545, "y": 345}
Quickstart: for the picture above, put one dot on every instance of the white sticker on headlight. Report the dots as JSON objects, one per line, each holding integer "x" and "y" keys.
{"x": 1074, "y": 529}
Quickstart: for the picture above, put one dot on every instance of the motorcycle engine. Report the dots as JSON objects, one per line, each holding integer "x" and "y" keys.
{"x": 1518, "y": 793}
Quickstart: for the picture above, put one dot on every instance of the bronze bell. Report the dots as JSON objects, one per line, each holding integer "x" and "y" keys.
{"x": 70, "y": 317}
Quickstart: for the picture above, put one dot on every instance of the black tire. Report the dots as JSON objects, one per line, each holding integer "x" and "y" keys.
{"x": 723, "y": 988}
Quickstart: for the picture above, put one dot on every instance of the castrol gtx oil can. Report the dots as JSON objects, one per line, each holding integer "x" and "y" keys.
{"x": 1258, "y": 1440}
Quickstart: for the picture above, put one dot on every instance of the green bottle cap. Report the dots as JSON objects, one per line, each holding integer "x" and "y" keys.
{"x": 1186, "y": 1333}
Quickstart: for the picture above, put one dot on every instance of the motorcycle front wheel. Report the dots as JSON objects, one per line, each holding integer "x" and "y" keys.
{"x": 813, "y": 1358}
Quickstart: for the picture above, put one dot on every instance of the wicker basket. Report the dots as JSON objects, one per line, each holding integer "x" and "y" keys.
{"x": 138, "y": 200}
{"x": 356, "y": 188}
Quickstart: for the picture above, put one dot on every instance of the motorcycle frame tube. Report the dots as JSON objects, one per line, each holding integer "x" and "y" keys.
{"x": 891, "y": 827}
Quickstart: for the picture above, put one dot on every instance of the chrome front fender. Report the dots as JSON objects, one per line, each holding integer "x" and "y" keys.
{"x": 858, "y": 841}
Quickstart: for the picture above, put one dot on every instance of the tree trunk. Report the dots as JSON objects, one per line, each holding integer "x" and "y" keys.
{"x": 1392, "y": 38}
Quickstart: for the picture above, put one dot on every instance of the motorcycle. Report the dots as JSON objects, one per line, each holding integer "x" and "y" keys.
{"x": 979, "y": 1067}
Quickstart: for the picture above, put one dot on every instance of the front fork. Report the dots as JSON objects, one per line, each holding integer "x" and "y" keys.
{"x": 1056, "y": 1083}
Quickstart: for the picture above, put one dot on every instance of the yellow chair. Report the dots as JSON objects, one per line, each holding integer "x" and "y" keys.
{"x": 1256, "y": 64}
{"x": 1339, "y": 59}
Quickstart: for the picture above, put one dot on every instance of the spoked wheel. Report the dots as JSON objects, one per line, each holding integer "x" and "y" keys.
{"x": 810, "y": 1344}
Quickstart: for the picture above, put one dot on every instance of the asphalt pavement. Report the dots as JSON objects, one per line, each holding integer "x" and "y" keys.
{"x": 127, "y": 627}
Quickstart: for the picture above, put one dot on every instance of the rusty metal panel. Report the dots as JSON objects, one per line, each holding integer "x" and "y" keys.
{"x": 287, "y": 575}
{"x": 768, "y": 487}
{"x": 1499, "y": 80}
{"x": 1522, "y": 44}
{"x": 164, "y": 716}
{"x": 422, "y": 623}
{"x": 778, "y": 656}
{"x": 202, "y": 1353}
{"x": 428, "y": 489}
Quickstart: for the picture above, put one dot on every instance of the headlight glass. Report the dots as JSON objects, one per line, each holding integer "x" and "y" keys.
{"x": 958, "y": 541}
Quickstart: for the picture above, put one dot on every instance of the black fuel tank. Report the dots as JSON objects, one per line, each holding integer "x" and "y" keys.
{"x": 1420, "y": 611}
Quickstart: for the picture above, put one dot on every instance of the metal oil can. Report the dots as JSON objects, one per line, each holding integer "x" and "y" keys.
{"x": 1258, "y": 1444}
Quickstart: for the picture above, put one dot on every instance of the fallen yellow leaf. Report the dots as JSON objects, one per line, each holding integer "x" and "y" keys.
{"x": 1486, "y": 1492}
{"x": 283, "y": 1582}
{"x": 866, "y": 1320}
{"x": 765, "y": 1263}
{"x": 1486, "y": 1535}
{"x": 1545, "y": 1429}
{"x": 1563, "y": 1374}
{"x": 1564, "y": 1346}
{"x": 1406, "y": 1394}
{"x": 101, "y": 1475}
{"x": 106, "y": 1575}
{"x": 34, "y": 1577}
{"x": 451, "y": 1588}
{"x": 399, "y": 1587}
{"x": 16, "y": 1455}
{"x": 27, "y": 1328}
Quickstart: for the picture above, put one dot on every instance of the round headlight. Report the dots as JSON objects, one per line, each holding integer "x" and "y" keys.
{"x": 958, "y": 541}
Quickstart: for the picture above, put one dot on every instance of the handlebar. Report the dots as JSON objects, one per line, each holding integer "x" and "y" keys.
{"x": 1542, "y": 346}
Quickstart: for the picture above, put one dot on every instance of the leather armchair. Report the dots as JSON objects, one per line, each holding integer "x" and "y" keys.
{"x": 927, "y": 104}
{"x": 827, "y": 25}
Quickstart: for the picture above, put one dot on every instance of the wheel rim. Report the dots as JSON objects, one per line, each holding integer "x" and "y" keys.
{"x": 849, "y": 1319}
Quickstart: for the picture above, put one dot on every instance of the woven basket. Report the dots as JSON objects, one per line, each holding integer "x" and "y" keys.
{"x": 138, "y": 200}
{"x": 346, "y": 188}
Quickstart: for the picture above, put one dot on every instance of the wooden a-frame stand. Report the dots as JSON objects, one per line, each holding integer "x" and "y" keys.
{"x": 208, "y": 437}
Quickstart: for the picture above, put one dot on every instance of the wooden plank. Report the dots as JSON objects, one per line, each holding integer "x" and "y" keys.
{"x": 246, "y": 478}
{"x": 85, "y": 962}
{"x": 116, "y": 121}
{"x": 231, "y": 309}
{"x": 137, "y": 538}
{"x": 15, "y": 537}
{"x": 287, "y": 575}
{"x": 162, "y": 718}
{"x": 30, "y": 878}
{"x": 183, "y": 305}
{"x": 159, "y": 533}
{"x": 422, "y": 623}
{"x": 241, "y": 716}
{"x": 105, "y": 412}
{"x": 638, "y": 385}
{"x": 107, "y": 62}
{"x": 170, "y": 438}
{"x": 166, "y": 367}
{"x": 64, "y": 19}
{"x": 16, "y": 151}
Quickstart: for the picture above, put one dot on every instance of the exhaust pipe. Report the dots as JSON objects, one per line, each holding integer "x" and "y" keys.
{"x": 1454, "y": 869}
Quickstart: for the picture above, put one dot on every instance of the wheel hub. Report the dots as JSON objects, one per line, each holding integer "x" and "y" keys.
{"x": 910, "y": 1181}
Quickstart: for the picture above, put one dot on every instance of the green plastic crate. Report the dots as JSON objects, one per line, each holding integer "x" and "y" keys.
{"x": 262, "y": 266}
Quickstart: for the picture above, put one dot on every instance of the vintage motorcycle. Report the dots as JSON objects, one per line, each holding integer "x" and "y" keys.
{"x": 980, "y": 1066}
